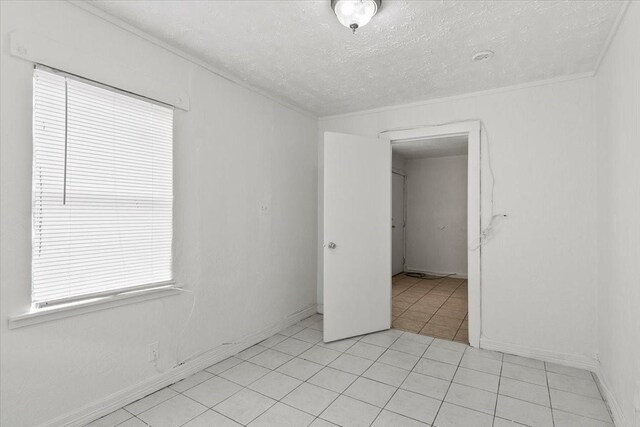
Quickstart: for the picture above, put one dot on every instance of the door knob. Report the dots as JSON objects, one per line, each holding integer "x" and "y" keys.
{"x": 331, "y": 245}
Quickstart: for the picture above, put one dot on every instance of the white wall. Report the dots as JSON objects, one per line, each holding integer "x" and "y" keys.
{"x": 437, "y": 215}
{"x": 539, "y": 270}
{"x": 398, "y": 163}
{"x": 618, "y": 112}
{"x": 233, "y": 150}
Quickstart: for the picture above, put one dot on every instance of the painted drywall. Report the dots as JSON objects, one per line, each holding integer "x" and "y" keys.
{"x": 437, "y": 215}
{"x": 618, "y": 113}
{"x": 234, "y": 151}
{"x": 398, "y": 163}
{"x": 539, "y": 267}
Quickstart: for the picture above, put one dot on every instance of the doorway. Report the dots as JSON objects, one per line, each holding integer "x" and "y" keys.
{"x": 429, "y": 288}
{"x": 470, "y": 130}
{"x": 356, "y": 257}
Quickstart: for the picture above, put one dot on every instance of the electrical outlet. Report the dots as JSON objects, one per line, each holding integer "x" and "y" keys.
{"x": 153, "y": 352}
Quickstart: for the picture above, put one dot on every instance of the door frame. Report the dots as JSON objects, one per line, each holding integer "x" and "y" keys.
{"x": 404, "y": 215}
{"x": 474, "y": 212}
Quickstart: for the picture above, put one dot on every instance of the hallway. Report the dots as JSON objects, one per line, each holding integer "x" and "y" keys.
{"x": 437, "y": 308}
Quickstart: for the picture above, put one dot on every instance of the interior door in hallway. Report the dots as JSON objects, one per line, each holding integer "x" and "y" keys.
{"x": 397, "y": 223}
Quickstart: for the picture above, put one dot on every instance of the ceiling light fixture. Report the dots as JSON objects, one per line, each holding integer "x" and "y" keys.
{"x": 483, "y": 55}
{"x": 355, "y": 13}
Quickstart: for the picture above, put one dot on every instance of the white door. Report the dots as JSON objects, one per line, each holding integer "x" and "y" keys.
{"x": 357, "y": 235}
{"x": 397, "y": 223}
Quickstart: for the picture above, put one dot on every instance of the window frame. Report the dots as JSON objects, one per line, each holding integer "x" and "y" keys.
{"x": 119, "y": 295}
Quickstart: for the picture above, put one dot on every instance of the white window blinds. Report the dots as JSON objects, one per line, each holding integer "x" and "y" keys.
{"x": 102, "y": 190}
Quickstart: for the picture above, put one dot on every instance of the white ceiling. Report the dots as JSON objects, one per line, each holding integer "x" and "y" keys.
{"x": 410, "y": 51}
{"x": 432, "y": 147}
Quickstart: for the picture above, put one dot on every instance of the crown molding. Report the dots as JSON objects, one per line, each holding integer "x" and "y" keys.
{"x": 93, "y": 10}
{"x": 554, "y": 80}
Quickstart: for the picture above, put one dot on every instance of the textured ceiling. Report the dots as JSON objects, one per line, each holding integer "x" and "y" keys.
{"x": 432, "y": 147}
{"x": 410, "y": 51}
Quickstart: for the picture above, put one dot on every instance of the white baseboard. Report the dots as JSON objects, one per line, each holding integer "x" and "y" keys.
{"x": 320, "y": 308}
{"x": 614, "y": 407}
{"x": 573, "y": 360}
{"x": 128, "y": 395}
{"x": 438, "y": 273}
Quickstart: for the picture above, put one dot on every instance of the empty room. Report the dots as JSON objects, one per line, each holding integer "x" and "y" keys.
{"x": 319, "y": 213}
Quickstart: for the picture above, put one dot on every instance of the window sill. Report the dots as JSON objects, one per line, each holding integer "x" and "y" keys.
{"x": 48, "y": 314}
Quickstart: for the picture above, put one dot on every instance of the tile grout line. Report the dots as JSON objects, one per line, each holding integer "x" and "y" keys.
{"x": 546, "y": 378}
{"x": 430, "y": 376}
{"x": 210, "y": 408}
{"x": 467, "y": 310}
{"x": 243, "y": 387}
{"x": 448, "y": 388}
{"x": 495, "y": 408}
{"x": 541, "y": 405}
{"x": 421, "y": 357}
{"x": 411, "y": 371}
{"x": 465, "y": 316}
{"x": 323, "y": 366}
{"x": 306, "y": 381}
{"x": 450, "y": 383}
{"x": 357, "y": 377}
{"x": 350, "y": 373}
{"x": 440, "y": 307}
{"x": 257, "y": 379}
{"x": 384, "y": 348}
{"x": 269, "y": 397}
{"x": 403, "y": 381}
{"x": 445, "y": 301}
{"x": 247, "y": 386}
{"x": 141, "y": 420}
{"x": 438, "y": 283}
{"x": 401, "y": 294}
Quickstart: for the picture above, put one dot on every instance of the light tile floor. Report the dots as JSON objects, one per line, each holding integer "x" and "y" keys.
{"x": 436, "y": 308}
{"x": 389, "y": 378}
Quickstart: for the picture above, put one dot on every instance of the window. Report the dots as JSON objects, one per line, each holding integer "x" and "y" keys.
{"x": 102, "y": 190}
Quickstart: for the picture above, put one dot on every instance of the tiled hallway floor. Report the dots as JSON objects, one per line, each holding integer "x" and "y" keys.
{"x": 390, "y": 378}
{"x": 437, "y": 308}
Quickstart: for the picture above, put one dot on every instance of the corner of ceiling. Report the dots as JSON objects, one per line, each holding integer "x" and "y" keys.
{"x": 611, "y": 35}
{"x": 93, "y": 10}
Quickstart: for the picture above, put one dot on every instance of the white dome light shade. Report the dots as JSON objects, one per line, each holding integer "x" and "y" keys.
{"x": 355, "y": 13}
